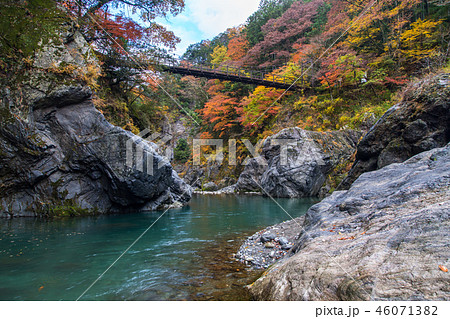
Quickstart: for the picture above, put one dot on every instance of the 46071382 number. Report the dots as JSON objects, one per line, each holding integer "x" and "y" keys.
{"x": 407, "y": 310}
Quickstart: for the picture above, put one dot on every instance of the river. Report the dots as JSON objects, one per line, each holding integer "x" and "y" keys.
{"x": 186, "y": 255}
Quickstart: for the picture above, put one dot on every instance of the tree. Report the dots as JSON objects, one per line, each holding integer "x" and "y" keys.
{"x": 220, "y": 111}
{"x": 345, "y": 71}
{"x": 219, "y": 55}
{"x": 119, "y": 40}
{"x": 268, "y": 9}
{"x": 237, "y": 48}
{"x": 97, "y": 16}
{"x": 182, "y": 151}
{"x": 198, "y": 53}
{"x": 258, "y": 108}
{"x": 384, "y": 21}
{"x": 421, "y": 41}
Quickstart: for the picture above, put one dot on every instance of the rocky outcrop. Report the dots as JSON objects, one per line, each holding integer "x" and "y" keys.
{"x": 203, "y": 177}
{"x": 65, "y": 158}
{"x": 297, "y": 163}
{"x": 419, "y": 123}
{"x": 386, "y": 238}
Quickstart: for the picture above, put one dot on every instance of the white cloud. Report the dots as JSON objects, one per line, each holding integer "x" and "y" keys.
{"x": 204, "y": 19}
{"x": 215, "y": 16}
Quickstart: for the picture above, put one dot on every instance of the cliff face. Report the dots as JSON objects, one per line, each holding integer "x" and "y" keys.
{"x": 66, "y": 159}
{"x": 383, "y": 239}
{"x": 419, "y": 123}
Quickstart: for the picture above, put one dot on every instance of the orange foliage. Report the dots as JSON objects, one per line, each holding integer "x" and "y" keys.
{"x": 220, "y": 111}
{"x": 443, "y": 268}
{"x": 258, "y": 107}
{"x": 237, "y": 48}
{"x": 206, "y": 136}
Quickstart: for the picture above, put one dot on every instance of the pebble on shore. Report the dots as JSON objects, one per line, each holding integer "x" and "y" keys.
{"x": 265, "y": 247}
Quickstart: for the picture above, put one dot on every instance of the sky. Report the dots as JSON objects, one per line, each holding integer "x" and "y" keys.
{"x": 204, "y": 19}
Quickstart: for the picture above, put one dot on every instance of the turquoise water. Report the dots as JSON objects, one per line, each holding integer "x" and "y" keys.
{"x": 179, "y": 256}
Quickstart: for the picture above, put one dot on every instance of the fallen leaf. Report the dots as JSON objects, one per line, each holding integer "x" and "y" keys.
{"x": 346, "y": 238}
{"x": 443, "y": 268}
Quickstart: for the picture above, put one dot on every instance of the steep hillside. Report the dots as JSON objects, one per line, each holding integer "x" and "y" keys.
{"x": 356, "y": 54}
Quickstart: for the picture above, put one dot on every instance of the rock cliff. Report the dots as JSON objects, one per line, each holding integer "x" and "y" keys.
{"x": 70, "y": 156}
{"x": 65, "y": 158}
{"x": 386, "y": 238}
{"x": 419, "y": 123}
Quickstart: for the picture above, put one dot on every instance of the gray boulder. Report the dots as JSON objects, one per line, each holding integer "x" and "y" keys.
{"x": 266, "y": 237}
{"x": 297, "y": 163}
{"x": 69, "y": 155}
{"x": 210, "y": 187}
{"x": 383, "y": 239}
{"x": 419, "y": 123}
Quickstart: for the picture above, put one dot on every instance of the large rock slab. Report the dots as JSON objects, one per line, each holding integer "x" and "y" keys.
{"x": 419, "y": 123}
{"x": 383, "y": 239}
{"x": 297, "y": 163}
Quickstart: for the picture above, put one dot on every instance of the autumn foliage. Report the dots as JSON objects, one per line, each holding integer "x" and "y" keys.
{"x": 220, "y": 111}
{"x": 355, "y": 54}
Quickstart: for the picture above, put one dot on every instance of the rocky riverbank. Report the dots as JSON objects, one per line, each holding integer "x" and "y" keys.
{"x": 386, "y": 238}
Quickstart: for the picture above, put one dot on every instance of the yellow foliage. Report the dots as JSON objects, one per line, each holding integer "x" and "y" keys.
{"x": 219, "y": 55}
{"x": 88, "y": 74}
{"x": 421, "y": 40}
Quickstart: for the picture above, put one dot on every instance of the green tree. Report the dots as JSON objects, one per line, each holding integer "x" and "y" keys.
{"x": 182, "y": 151}
{"x": 268, "y": 9}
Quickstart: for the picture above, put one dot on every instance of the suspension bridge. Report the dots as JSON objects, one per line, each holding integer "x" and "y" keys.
{"x": 233, "y": 74}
